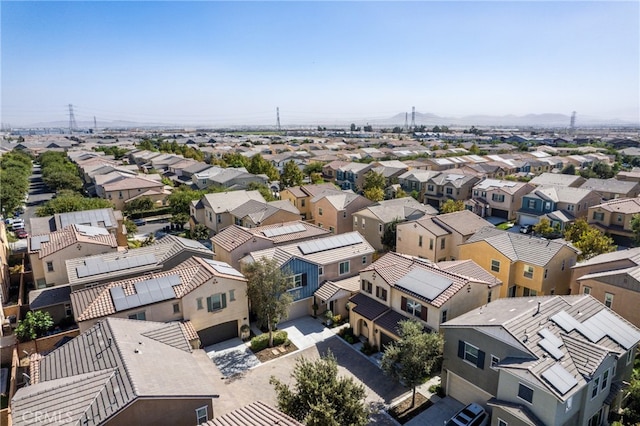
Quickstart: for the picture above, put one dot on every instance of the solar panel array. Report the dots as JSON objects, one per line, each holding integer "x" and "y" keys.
{"x": 191, "y": 243}
{"x": 38, "y": 240}
{"x": 551, "y": 348}
{"x": 91, "y": 231}
{"x": 560, "y": 378}
{"x": 330, "y": 243}
{"x": 284, "y": 230}
{"x": 96, "y": 266}
{"x": 424, "y": 283}
{"x": 147, "y": 292}
{"x": 224, "y": 268}
{"x": 604, "y": 323}
{"x": 99, "y": 217}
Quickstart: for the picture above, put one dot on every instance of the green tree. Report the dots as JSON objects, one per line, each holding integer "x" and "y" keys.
{"x": 319, "y": 397}
{"x": 180, "y": 200}
{"x": 374, "y": 194}
{"x": 291, "y": 175}
{"x": 374, "y": 180}
{"x": 199, "y": 232}
{"x": 131, "y": 227}
{"x": 389, "y": 236}
{"x": 569, "y": 169}
{"x": 451, "y": 206}
{"x": 474, "y": 149}
{"x": 635, "y": 227}
{"x": 401, "y": 193}
{"x": 34, "y": 325}
{"x": 313, "y": 167}
{"x": 603, "y": 170}
{"x": 631, "y": 413}
{"x": 544, "y": 228}
{"x": 139, "y": 205}
{"x": 411, "y": 358}
{"x": 263, "y": 189}
{"x": 179, "y": 219}
{"x": 590, "y": 241}
{"x": 267, "y": 287}
{"x": 235, "y": 159}
{"x": 69, "y": 201}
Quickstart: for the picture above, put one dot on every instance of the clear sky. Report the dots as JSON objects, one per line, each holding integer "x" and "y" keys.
{"x": 217, "y": 63}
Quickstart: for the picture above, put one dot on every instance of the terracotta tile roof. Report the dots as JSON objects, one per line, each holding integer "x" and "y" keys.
{"x": 73, "y": 234}
{"x": 232, "y": 237}
{"x": 621, "y": 205}
{"x": 131, "y": 183}
{"x": 389, "y": 321}
{"x": 255, "y": 414}
{"x": 188, "y": 330}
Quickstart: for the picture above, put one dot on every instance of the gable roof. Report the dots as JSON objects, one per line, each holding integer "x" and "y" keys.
{"x": 255, "y": 414}
{"x": 463, "y": 222}
{"x": 560, "y": 194}
{"x": 558, "y": 179}
{"x": 221, "y": 202}
{"x": 48, "y": 244}
{"x": 406, "y": 208}
{"x": 610, "y": 185}
{"x": 621, "y": 205}
{"x": 234, "y": 236}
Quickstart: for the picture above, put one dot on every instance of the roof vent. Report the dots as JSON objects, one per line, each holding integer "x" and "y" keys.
{"x": 138, "y": 351}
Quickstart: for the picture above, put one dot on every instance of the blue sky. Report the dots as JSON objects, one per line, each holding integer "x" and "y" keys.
{"x": 221, "y": 63}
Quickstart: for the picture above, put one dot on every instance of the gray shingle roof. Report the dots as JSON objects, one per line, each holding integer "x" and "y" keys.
{"x": 255, "y": 414}
{"x": 39, "y": 299}
{"x": 610, "y": 185}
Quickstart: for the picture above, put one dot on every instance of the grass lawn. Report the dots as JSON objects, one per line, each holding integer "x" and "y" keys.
{"x": 506, "y": 225}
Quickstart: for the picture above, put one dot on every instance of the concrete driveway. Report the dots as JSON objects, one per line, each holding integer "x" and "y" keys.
{"x": 441, "y": 411}
{"x": 232, "y": 357}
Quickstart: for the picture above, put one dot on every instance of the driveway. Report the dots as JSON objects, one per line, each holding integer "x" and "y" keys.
{"x": 441, "y": 411}
{"x": 232, "y": 357}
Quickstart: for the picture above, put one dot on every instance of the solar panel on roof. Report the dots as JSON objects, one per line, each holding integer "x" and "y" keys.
{"x": 147, "y": 292}
{"x": 607, "y": 322}
{"x": 96, "y": 266}
{"x": 284, "y": 230}
{"x": 560, "y": 378}
{"x": 425, "y": 283}
{"x": 330, "y": 243}
{"x": 548, "y": 335}
{"x": 551, "y": 348}
{"x": 38, "y": 240}
{"x": 91, "y": 231}
{"x": 224, "y": 268}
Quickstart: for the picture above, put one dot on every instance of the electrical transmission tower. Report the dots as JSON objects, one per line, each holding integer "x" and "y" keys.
{"x": 572, "y": 125}
{"x": 278, "y": 118}
{"x": 406, "y": 121}
{"x": 413, "y": 117}
{"x": 72, "y": 120}
{"x": 95, "y": 124}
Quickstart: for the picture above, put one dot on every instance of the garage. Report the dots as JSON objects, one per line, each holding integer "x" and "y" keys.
{"x": 504, "y": 214}
{"x": 218, "y": 333}
{"x": 385, "y": 339}
{"x": 299, "y": 309}
{"x": 525, "y": 219}
{"x": 465, "y": 392}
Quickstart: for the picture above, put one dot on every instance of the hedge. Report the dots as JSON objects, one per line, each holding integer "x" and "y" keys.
{"x": 261, "y": 342}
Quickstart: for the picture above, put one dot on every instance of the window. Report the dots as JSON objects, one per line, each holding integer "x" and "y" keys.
{"x": 525, "y": 392}
{"x": 569, "y": 404}
{"x": 412, "y": 307}
{"x": 216, "y": 302}
{"x": 219, "y": 218}
{"x": 344, "y": 267}
{"x": 608, "y": 300}
{"x": 364, "y": 260}
{"x": 471, "y": 354}
{"x": 494, "y": 361}
{"x": 598, "y": 216}
{"x": 49, "y": 266}
{"x": 430, "y": 188}
{"x": 320, "y": 211}
{"x": 355, "y": 221}
{"x": 176, "y": 308}
{"x": 344, "y": 214}
{"x": 232, "y": 295}
{"x": 381, "y": 293}
{"x": 563, "y": 265}
{"x": 495, "y": 265}
{"x": 502, "y": 422}
{"x": 202, "y": 415}
{"x": 140, "y": 316}
{"x": 596, "y": 419}
{"x": 547, "y": 205}
{"x": 619, "y": 218}
{"x": 546, "y": 271}
{"x": 449, "y": 191}
{"x": 499, "y": 198}
{"x": 442, "y": 243}
{"x": 526, "y": 292}
{"x": 586, "y": 290}
{"x": 489, "y": 296}
{"x": 319, "y": 225}
{"x": 380, "y": 228}
{"x": 320, "y": 270}
{"x": 419, "y": 240}
{"x": 67, "y": 310}
{"x": 629, "y": 356}
{"x": 332, "y": 229}
{"x": 367, "y": 286}
{"x": 302, "y": 203}
{"x": 532, "y": 204}
{"x": 430, "y": 243}
{"x": 528, "y": 271}
{"x": 512, "y": 291}
{"x": 571, "y": 207}
{"x": 443, "y": 316}
{"x": 120, "y": 195}
{"x": 596, "y": 386}
{"x": 297, "y": 281}
{"x": 199, "y": 303}
{"x": 363, "y": 221}
{"x": 605, "y": 378}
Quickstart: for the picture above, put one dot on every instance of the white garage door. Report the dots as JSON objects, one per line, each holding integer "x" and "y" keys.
{"x": 465, "y": 392}
{"x": 525, "y": 219}
{"x": 299, "y": 309}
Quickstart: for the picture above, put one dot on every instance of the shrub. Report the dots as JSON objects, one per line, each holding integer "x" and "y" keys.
{"x": 369, "y": 349}
{"x": 437, "y": 389}
{"x": 261, "y": 342}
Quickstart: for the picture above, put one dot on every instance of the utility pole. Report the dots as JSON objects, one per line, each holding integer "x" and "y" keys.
{"x": 413, "y": 117}
{"x": 72, "y": 120}
{"x": 278, "y": 118}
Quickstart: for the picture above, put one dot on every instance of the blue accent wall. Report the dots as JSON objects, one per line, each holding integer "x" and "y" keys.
{"x": 300, "y": 266}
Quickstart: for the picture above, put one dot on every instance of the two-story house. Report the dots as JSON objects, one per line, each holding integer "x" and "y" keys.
{"x": 334, "y": 210}
{"x": 614, "y": 219}
{"x": 310, "y": 263}
{"x": 214, "y": 210}
{"x": 373, "y": 221}
{"x": 122, "y": 189}
{"x": 558, "y": 179}
{"x": 498, "y": 198}
{"x": 438, "y": 238}
{"x": 351, "y": 175}
{"x": 300, "y": 196}
{"x": 556, "y": 360}
{"x": 562, "y": 205}
{"x": 415, "y": 181}
{"x": 610, "y": 189}
{"x": 210, "y": 294}
{"x": 448, "y": 186}
{"x": 396, "y": 288}
{"x": 526, "y": 265}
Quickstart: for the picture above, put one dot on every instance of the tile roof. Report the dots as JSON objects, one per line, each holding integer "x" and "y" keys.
{"x": 399, "y": 209}
{"x": 463, "y": 222}
{"x": 632, "y": 255}
{"x": 222, "y": 202}
{"x": 470, "y": 269}
{"x": 621, "y": 205}
{"x": 367, "y": 307}
{"x": 125, "y": 183}
{"x": 519, "y": 247}
{"x": 507, "y": 186}
{"x": 332, "y": 290}
{"x": 610, "y": 185}
{"x": 70, "y": 235}
{"x": 42, "y": 298}
{"x": 558, "y": 179}
{"x": 560, "y": 194}
{"x": 389, "y": 321}
{"x": 255, "y": 414}
{"x": 97, "y": 374}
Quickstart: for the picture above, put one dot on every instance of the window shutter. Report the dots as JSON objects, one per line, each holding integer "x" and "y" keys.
{"x": 480, "y": 363}
{"x": 403, "y": 303}
{"x": 304, "y": 280}
{"x": 460, "y": 349}
{"x": 224, "y": 300}
{"x": 423, "y": 313}
{"x": 209, "y": 304}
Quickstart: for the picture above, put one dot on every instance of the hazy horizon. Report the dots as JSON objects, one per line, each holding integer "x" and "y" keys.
{"x": 223, "y": 63}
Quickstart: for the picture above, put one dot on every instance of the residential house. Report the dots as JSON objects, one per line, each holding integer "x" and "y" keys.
{"x": 254, "y": 213}
{"x": 333, "y": 210}
{"x": 558, "y": 179}
{"x": 632, "y": 175}
{"x": 526, "y": 265}
{"x": 300, "y": 196}
{"x": 334, "y": 295}
{"x": 258, "y": 413}
{"x": 498, "y": 198}
{"x": 438, "y": 238}
{"x": 122, "y": 189}
{"x": 48, "y": 252}
{"x": 118, "y": 372}
{"x": 562, "y": 205}
{"x": 351, "y": 175}
{"x": 211, "y": 295}
{"x": 373, "y": 221}
{"x": 235, "y": 242}
{"x": 214, "y": 210}
{"x": 227, "y": 177}
{"x": 555, "y": 360}
{"x": 396, "y": 288}
{"x": 610, "y": 189}
{"x": 612, "y": 279}
{"x": 414, "y": 182}
{"x": 449, "y": 186}
{"x": 614, "y": 219}
{"x": 310, "y": 263}
{"x": 391, "y": 170}
{"x": 4, "y": 267}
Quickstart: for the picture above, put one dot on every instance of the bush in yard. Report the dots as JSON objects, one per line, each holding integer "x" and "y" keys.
{"x": 261, "y": 342}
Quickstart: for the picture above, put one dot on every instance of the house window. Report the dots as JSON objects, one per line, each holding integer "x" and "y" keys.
{"x": 598, "y": 216}
{"x": 430, "y": 243}
{"x": 176, "y": 308}
{"x": 526, "y": 292}
{"x": 199, "y": 303}
{"x": 380, "y": 228}
{"x": 449, "y": 191}
{"x": 367, "y": 286}
{"x": 596, "y": 386}
{"x": 49, "y": 266}
{"x": 563, "y": 265}
{"x": 596, "y": 419}
{"x": 216, "y": 302}
{"x": 443, "y": 316}
{"x": 499, "y": 198}
{"x": 605, "y": 378}
{"x": 471, "y": 354}
{"x": 619, "y": 218}
{"x": 320, "y": 270}
{"x": 219, "y": 218}
{"x": 525, "y": 392}
{"x": 363, "y": 223}
{"x": 571, "y": 207}
{"x": 344, "y": 214}
{"x": 364, "y": 260}
{"x": 512, "y": 291}
{"x": 489, "y": 297}
{"x": 528, "y": 271}
{"x": 502, "y": 422}
{"x": 547, "y": 205}
{"x": 320, "y": 211}
{"x": 202, "y": 415}
{"x": 442, "y": 243}
{"x": 545, "y": 273}
{"x": 355, "y": 221}
{"x": 586, "y": 290}
{"x": 297, "y": 281}
{"x": 332, "y": 229}
{"x": 302, "y": 203}
{"x": 67, "y": 310}
{"x": 629, "y": 356}
{"x": 495, "y": 265}
{"x": 494, "y": 361}
{"x": 608, "y": 300}
{"x": 344, "y": 267}
{"x": 319, "y": 225}
{"x": 120, "y": 195}
{"x": 532, "y": 204}
{"x": 381, "y": 293}
{"x": 414, "y": 308}
{"x": 140, "y": 316}
{"x": 232, "y": 295}
{"x": 569, "y": 403}
{"x": 430, "y": 188}
{"x": 419, "y": 240}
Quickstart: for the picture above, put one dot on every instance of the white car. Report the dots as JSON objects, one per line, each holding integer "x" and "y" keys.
{"x": 471, "y": 415}
{"x": 17, "y": 224}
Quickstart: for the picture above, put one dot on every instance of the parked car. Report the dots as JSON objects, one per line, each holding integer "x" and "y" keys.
{"x": 21, "y": 233}
{"x": 139, "y": 222}
{"x": 18, "y": 224}
{"x": 526, "y": 229}
{"x": 471, "y": 415}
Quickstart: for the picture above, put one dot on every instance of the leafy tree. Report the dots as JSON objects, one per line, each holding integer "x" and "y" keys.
{"x": 635, "y": 227}
{"x": 569, "y": 169}
{"x": 259, "y": 166}
{"x": 474, "y": 149}
{"x": 316, "y": 178}
{"x": 353, "y": 127}
{"x": 264, "y": 190}
{"x": 34, "y": 325}
{"x": 374, "y": 180}
{"x": 411, "y": 358}
{"x": 69, "y": 201}
{"x": 374, "y": 194}
{"x": 179, "y": 219}
{"x": 451, "y": 206}
{"x": 389, "y": 236}
{"x": 319, "y": 397}
{"x": 544, "y": 228}
{"x": 180, "y": 200}
{"x": 631, "y": 412}
{"x": 267, "y": 287}
{"x": 114, "y": 150}
{"x": 415, "y": 195}
{"x": 603, "y": 170}
{"x": 199, "y": 232}
{"x": 313, "y": 167}
{"x": 291, "y": 175}
{"x": 139, "y": 205}
{"x": 401, "y": 193}
{"x": 590, "y": 241}
{"x": 131, "y": 227}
